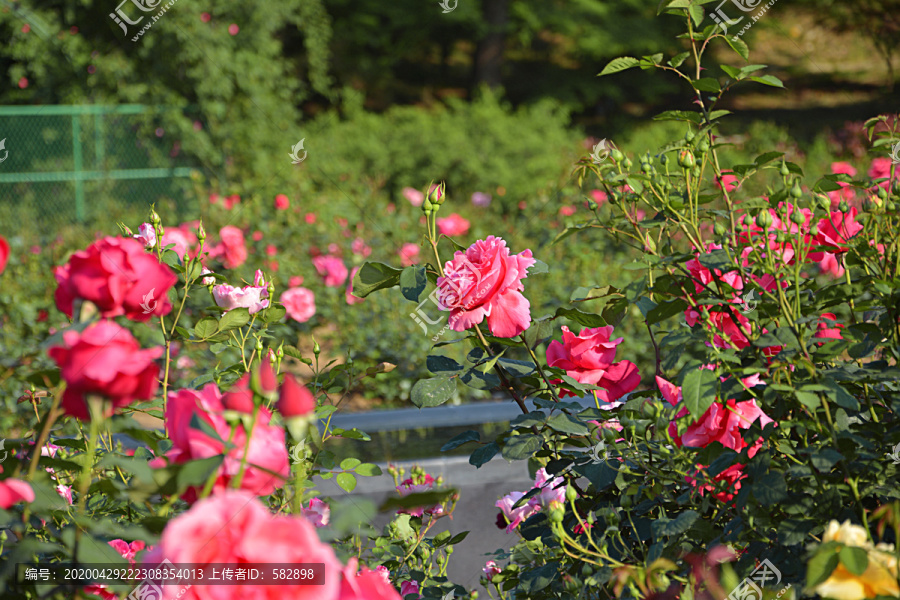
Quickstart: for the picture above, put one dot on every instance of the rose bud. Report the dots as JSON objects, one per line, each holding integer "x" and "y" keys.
{"x": 295, "y": 400}
{"x": 239, "y": 398}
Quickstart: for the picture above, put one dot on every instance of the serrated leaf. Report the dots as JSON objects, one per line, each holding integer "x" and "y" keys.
{"x": 234, "y": 318}
{"x": 483, "y": 454}
{"x": 770, "y": 80}
{"x": 346, "y": 481}
{"x": 368, "y": 470}
{"x": 699, "y": 391}
{"x": 206, "y": 327}
{"x": 619, "y": 64}
{"x": 821, "y": 565}
{"x": 412, "y": 282}
{"x": 739, "y": 46}
{"x": 855, "y": 559}
{"x": 442, "y": 364}
{"x": 373, "y": 276}
{"x": 348, "y": 464}
{"x": 463, "y": 438}
{"x": 432, "y": 392}
{"x": 566, "y": 423}
{"x": 522, "y": 447}
{"x": 582, "y": 318}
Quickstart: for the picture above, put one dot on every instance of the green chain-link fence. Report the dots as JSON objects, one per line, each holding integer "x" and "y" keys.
{"x": 66, "y": 165}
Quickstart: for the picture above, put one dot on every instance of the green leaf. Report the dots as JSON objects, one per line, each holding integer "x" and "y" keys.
{"x": 521, "y": 447}
{"x": 441, "y": 364}
{"x": 533, "y": 581}
{"x": 822, "y": 565}
{"x": 412, "y": 282}
{"x": 373, "y": 276}
{"x": 206, "y": 327}
{"x": 678, "y": 115}
{"x": 464, "y": 438}
{"x": 482, "y": 455}
{"x": 517, "y": 368}
{"x": 273, "y": 314}
{"x": 855, "y": 559}
{"x": 566, "y": 423}
{"x": 841, "y": 396}
{"x": 678, "y": 59}
{"x": 234, "y": 318}
{"x": 346, "y": 481}
{"x": 368, "y": 470}
{"x": 739, "y": 46}
{"x": 582, "y": 318}
{"x": 665, "y": 310}
{"x": 539, "y": 330}
{"x": 676, "y": 526}
{"x": 619, "y": 64}
{"x": 767, "y": 80}
{"x": 770, "y": 489}
{"x": 706, "y": 84}
{"x": 538, "y": 268}
{"x": 417, "y": 500}
{"x": 699, "y": 391}
{"x": 696, "y": 13}
{"x": 432, "y": 392}
{"x": 348, "y": 464}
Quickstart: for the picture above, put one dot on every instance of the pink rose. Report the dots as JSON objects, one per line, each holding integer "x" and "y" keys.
{"x": 182, "y": 237}
{"x": 318, "y": 513}
{"x": 146, "y": 235}
{"x": 599, "y": 196}
{"x": 881, "y": 168}
{"x": 828, "y": 327}
{"x": 588, "y": 358}
{"x": 4, "y": 253}
{"x": 105, "y": 360}
{"x": 704, "y": 277}
{"x": 515, "y": 516}
{"x": 119, "y": 277}
{"x": 409, "y": 254}
{"x": 384, "y": 573}
{"x": 414, "y": 196}
{"x": 348, "y": 293}
{"x": 233, "y": 247}
{"x": 416, "y": 485}
{"x": 128, "y": 551}
{"x": 729, "y": 181}
{"x": 360, "y": 248}
{"x": 486, "y": 281}
{"x": 282, "y": 202}
{"x": 331, "y": 269}
{"x": 566, "y": 211}
{"x": 252, "y": 297}
{"x": 300, "y": 303}
{"x": 829, "y": 264}
{"x": 408, "y": 587}
{"x": 481, "y": 199}
{"x": 295, "y": 281}
{"x": 364, "y": 585}
{"x": 837, "y": 230}
{"x": 267, "y": 458}
{"x": 13, "y": 491}
{"x": 234, "y": 527}
{"x": 553, "y": 489}
{"x": 731, "y": 476}
{"x": 490, "y": 569}
{"x": 295, "y": 399}
{"x": 310, "y": 218}
{"x": 453, "y": 225}
{"x": 723, "y": 424}
{"x": 232, "y": 201}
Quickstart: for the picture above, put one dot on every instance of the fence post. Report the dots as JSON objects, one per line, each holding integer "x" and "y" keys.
{"x": 76, "y": 155}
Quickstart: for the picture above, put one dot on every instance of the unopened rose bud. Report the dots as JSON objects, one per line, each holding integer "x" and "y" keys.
{"x": 571, "y": 493}
{"x": 294, "y": 399}
{"x": 616, "y": 155}
{"x": 689, "y": 136}
{"x": 627, "y": 163}
{"x": 663, "y": 159}
{"x": 796, "y": 192}
{"x": 823, "y": 201}
{"x": 592, "y": 205}
{"x": 797, "y": 217}
{"x": 814, "y": 230}
{"x": 882, "y": 193}
{"x": 436, "y": 194}
{"x": 747, "y": 221}
{"x": 703, "y": 146}
{"x": 280, "y": 352}
{"x": 785, "y": 171}
{"x": 316, "y": 348}
{"x": 686, "y": 159}
{"x": 268, "y": 381}
{"x": 719, "y": 229}
{"x": 201, "y": 232}
{"x": 154, "y": 218}
{"x": 270, "y": 288}
{"x": 843, "y": 206}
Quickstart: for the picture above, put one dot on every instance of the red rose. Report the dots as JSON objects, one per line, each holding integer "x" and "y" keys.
{"x": 105, "y": 360}
{"x": 117, "y": 275}
{"x": 4, "y": 253}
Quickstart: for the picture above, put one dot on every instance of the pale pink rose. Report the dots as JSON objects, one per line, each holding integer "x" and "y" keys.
{"x": 232, "y": 247}
{"x": 331, "y": 269}
{"x": 409, "y": 254}
{"x": 384, "y": 573}
{"x": 300, "y": 303}
{"x": 207, "y": 280}
{"x": 348, "y": 293}
{"x": 65, "y": 491}
{"x": 552, "y": 489}
{"x": 183, "y": 239}
{"x": 295, "y": 281}
{"x": 267, "y": 458}
{"x": 185, "y": 362}
{"x": 490, "y": 569}
{"x": 318, "y": 512}
{"x": 234, "y": 527}
{"x": 515, "y": 516}
{"x": 414, "y": 196}
{"x": 408, "y": 587}
{"x": 360, "y": 248}
{"x": 418, "y": 485}
{"x": 253, "y": 297}
{"x": 485, "y": 281}
{"x": 146, "y": 235}
{"x": 589, "y": 358}
{"x": 364, "y": 585}
{"x": 566, "y": 211}
{"x": 453, "y": 225}
{"x": 13, "y": 491}
{"x": 830, "y": 265}
{"x": 481, "y": 199}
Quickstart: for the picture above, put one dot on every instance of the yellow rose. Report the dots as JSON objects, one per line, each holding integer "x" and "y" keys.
{"x": 879, "y": 578}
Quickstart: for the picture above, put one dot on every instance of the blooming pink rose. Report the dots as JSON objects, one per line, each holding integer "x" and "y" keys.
{"x": 384, "y": 573}
{"x": 282, "y": 202}
{"x": 846, "y": 192}
{"x": 490, "y": 569}
{"x": 723, "y": 424}
{"x": 310, "y": 218}
{"x": 729, "y": 181}
{"x": 704, "y": 277}
{"x": 567, "y": 211}
{"x": 408, "y": 587}
{"x": 146, "y": 235}
{"x": 331, "y": 269}
{"x": 105, "y": 360}
{"x": 300, "y": 303}
{"x": 881, "y": 168}
{"x": 599, "y": 196}
{"x": 13, "y": 491}
{"x": 553, "y": 489}
{"x": 829, "y": 264}
{"x": 235, "y": 527}
{"x": 515, "y": 516}
{"x": 267, "y": 457}
{"x": 295, "y": 281}
{"x": 836, "y": 230}
{"x": 232, "y": 201}
{"x": 119, "y": 277}
{"x": 409, "y": 254}
{"x": 417, "y": 485}
{"x": 232, "y": 247}
{"x": 271, "y": 250}
{"x": 65, "y": 491}
{"x": 252, "y": 297}
{"x": 4, "y": 253}
{"x": 828, "y": 327}
{"x": 414, "y": 196}
{"x": 128, "y": 551}
{"x": 364, "y": 585}
{"x": 453, "y": 225}
{"x": 732, "y": 477}
{"x": 588, "y": 358}
{"x": 182, "y": 237}
{"x": 360, "y": 248}
{"x": 486, "y": 281}
{"x": 348, "y": 293}
{"x": 318, "y": 512}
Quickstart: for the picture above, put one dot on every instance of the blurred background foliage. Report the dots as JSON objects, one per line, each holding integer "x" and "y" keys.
{"x": 497, "y": 96}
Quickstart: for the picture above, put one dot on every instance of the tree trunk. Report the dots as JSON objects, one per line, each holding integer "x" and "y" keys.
{"x": 489, "y": 52}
